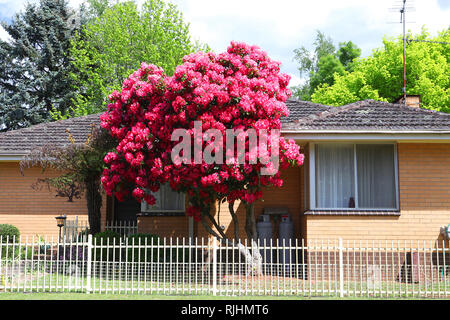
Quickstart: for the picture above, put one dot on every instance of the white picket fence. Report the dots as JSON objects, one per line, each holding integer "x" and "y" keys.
{"x": 386, "y": 269}
{"x": 73, "y": 228}
{"x": 124, "y": 228}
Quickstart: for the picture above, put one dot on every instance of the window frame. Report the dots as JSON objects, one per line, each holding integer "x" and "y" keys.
{"x": 312, "y": 175}
{"x": 164, "y": 211}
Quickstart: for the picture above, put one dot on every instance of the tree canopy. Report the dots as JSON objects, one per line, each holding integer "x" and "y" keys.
{"x": 380, "y": 76}
{"x": 320, "y": 65}
{"x": 238, "y": 89}
{"x": 35, "y": 64}
{"x": 115, "y": 42}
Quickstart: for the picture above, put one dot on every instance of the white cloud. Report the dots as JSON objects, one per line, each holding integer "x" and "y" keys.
{"x": 280, "y": 27}
{"x": 295, "y": 80}
{"x": 283, "y": 25}
{"x": 3, "y": 34}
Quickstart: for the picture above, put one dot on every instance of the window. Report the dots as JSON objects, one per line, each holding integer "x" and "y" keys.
{"x": 353, "y": 176}
{"x": 167, "y": 201}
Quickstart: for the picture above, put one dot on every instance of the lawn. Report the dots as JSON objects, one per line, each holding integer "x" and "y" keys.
{"x": 84, "y": 296}
{"x": 59, "y": 286}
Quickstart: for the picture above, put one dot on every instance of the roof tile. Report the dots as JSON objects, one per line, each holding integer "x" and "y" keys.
{"x": 367, "y": 115}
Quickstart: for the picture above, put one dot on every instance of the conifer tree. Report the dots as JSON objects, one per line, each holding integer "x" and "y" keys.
{"x": 35, "y": 63}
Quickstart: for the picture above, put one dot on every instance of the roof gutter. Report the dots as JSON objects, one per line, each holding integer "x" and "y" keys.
{"x": 300, "y": 131}
{"x": 314, "y": 135}
{"x": 11, "y": 157}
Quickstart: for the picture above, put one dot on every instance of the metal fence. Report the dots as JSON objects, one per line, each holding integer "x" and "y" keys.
{"x": 74, "y": 228}
{"x": 124, "y": 228}
{"x": 152, "y": 265}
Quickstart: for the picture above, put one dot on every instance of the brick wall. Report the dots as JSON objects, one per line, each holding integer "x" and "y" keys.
{"x": 424, "y": 183}
{"x": 34, "y": 211}
{"x": 289, "y": 195}
{"x": 164, "y": 226}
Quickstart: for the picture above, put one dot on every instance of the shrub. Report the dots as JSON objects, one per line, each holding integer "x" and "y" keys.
{"x": 72, "y": 252}
{"x": 82, "y": 235}
{"x": 104, "y": 238}
{"x": 68, "y": 259}
{"x": 105, "y": 235}
{"x": 9, "y": 235}
{"x": 143, "y": 237}
{"x": 139, "y": 254}
{"x": 8, "y": 231}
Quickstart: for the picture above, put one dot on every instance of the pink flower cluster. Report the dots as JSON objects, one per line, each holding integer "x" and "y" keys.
{"x": 241, "y": 89}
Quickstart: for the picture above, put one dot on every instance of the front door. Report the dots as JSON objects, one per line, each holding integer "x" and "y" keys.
{"x": 126, "y": 210}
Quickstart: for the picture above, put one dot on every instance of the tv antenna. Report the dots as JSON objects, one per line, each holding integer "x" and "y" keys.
{"x": 400, "y": 6}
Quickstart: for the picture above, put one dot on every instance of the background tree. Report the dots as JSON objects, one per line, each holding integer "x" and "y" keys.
{"x": 81, "y": 165}
{"x": 117, "y": 40}
{"x": 380, "y": 76}
{"x": 347, "y": 53}
{"x": 318, "y": 67}
{"x": 239, "y": 89}
{"x": 35, "y": 65}
{"x": 95, "y": 8}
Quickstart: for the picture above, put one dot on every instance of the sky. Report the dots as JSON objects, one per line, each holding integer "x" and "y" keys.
{"x": 281, "y": 26}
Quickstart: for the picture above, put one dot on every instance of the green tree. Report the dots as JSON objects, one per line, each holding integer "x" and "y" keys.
{"x": 116, "y": 43}
{"x": 326, "y": 68}
{"x": 347, "y": 54}
{"x": 380, "y": 76}
{"x": 35, "y": 65}
{"x": 319, "y": 66}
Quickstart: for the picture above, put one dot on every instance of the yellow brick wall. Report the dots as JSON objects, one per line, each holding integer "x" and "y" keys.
{"x": 164, "y": 226}
{"x": 34, "y": 211}
{"x": 289, "y": 195}
{"x": 424, "y": 182}
{"x": 424, "y": 191}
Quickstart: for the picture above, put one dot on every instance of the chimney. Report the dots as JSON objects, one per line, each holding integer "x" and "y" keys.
{"x": 411, "y": 101}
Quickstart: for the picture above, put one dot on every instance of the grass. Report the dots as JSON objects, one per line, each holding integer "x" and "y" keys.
{"x": 97, "y": 296}
{"x": 128, "y": 284}
{"x": 272, "y": 286}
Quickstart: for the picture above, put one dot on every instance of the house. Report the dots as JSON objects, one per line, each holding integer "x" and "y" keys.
{"x": 373, "y": 171}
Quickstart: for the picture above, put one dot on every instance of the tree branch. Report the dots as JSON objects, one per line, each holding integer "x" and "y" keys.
{"x": 218, "y": 228}
{"x": 235, "y": 220}
{"x": 250, "y": 223}
{"x": 210, "y": 230}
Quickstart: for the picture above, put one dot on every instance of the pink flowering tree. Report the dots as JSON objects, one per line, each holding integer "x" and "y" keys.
{"x": 241, "y": 90}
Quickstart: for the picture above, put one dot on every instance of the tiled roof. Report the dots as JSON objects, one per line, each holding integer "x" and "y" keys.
{"x": 22, "y": 141}
{"x": 367, "y": 115}
{"x": 371, "y": 115}
{"x": 300, "y": 109}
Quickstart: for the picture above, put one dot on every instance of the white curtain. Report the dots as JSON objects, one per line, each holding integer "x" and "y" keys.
{"x": 166, "y": 200}
{"x": 376, "y": 182}
{"x": 335, "y": 175}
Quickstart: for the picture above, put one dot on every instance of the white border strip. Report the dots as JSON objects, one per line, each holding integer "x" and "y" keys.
{"x": 308, "y": 136}
{"x": 10, "y": 157}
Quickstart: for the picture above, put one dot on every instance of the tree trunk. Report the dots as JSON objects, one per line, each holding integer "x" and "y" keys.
{"x": 252, "y": 255}
{"x": 253, "y": 258}
{"x": 94, "y": 204}
{"x": 250, "y": 222}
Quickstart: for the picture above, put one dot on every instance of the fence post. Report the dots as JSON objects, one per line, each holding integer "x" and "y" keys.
{"x": 89, "y": 264}
{"x": 214, "y": 279}
{"x": 341, "y": 269}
